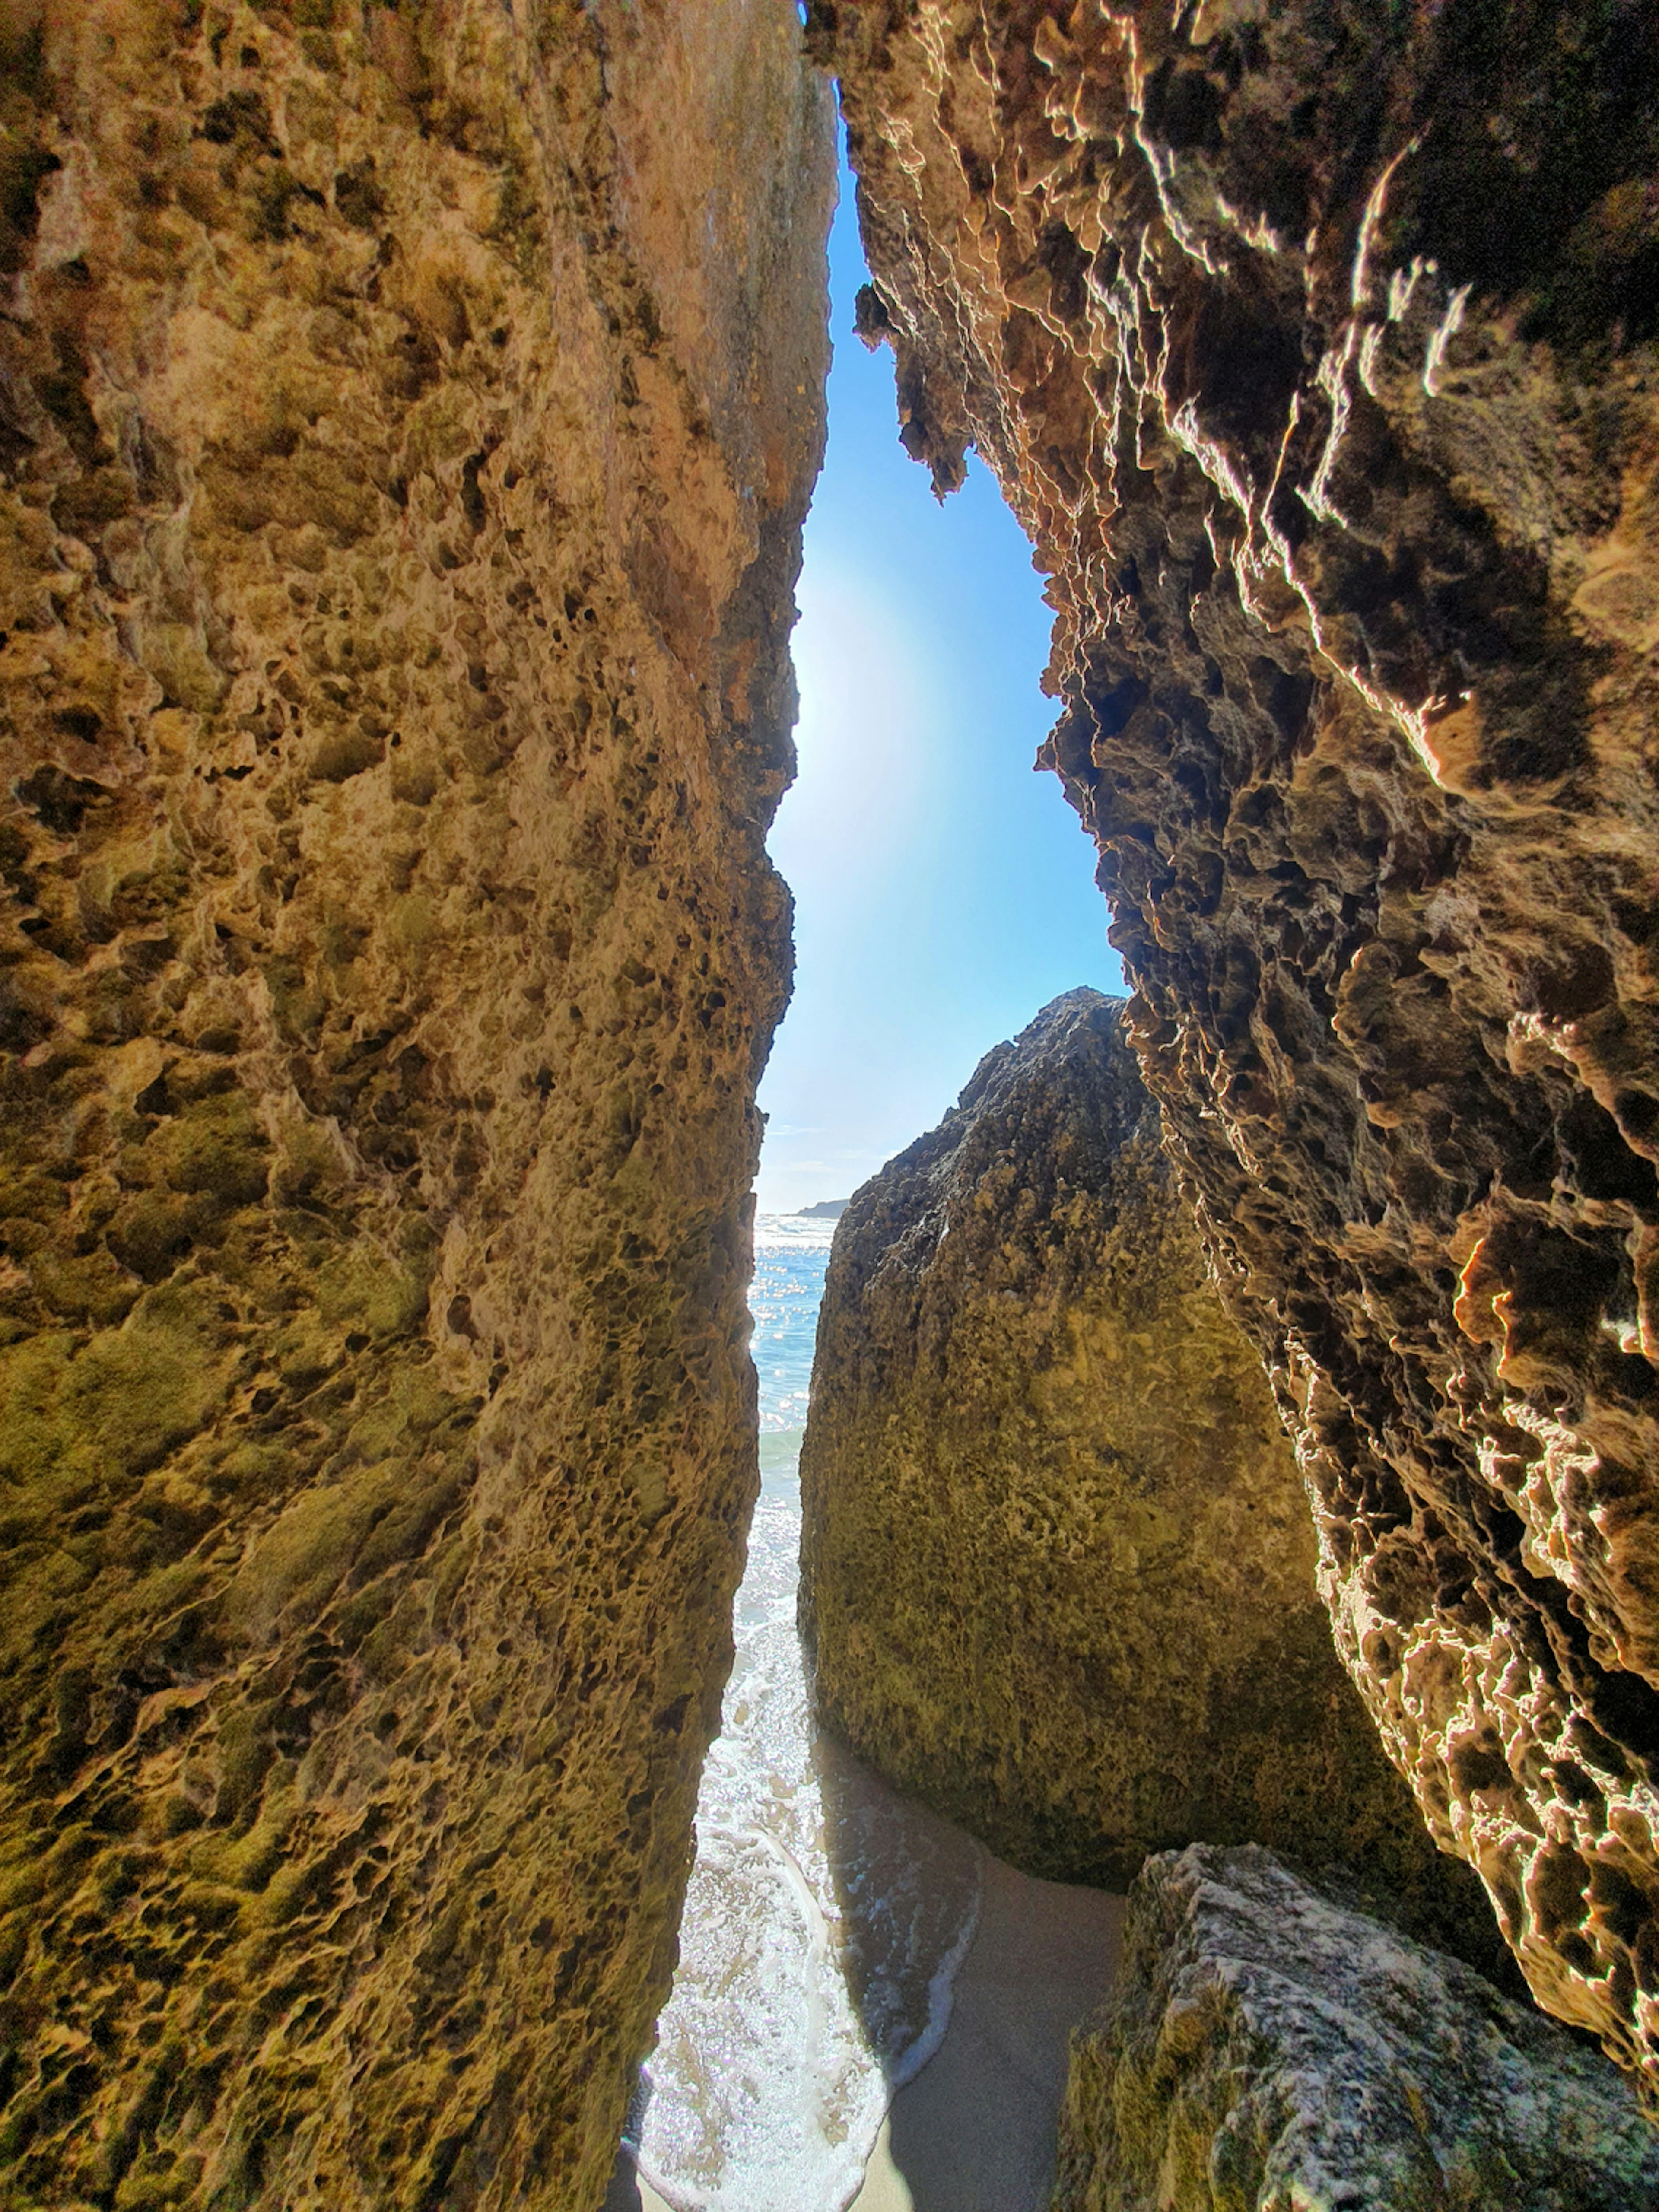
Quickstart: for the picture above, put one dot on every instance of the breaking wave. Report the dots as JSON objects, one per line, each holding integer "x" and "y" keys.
{"x": 826, "y": 1918}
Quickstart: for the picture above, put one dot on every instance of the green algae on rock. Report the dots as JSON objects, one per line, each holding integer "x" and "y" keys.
{"x": 1057, "y": 1568}
{"x": 398, "y": 519}
{"x": 1268, "y": 2046}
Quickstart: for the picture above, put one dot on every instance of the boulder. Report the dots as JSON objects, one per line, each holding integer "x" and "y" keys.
{"x": 1058, "y": 1572}
{"x": 1268, "y": 2046}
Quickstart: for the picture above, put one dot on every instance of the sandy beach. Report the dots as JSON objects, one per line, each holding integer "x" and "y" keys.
{"x": 974, "y": 2131}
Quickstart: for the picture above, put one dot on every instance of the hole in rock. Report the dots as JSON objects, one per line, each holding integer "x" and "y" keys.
{"x": 943, "y": 894}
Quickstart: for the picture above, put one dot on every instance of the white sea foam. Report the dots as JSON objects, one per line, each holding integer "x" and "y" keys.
{"x": 826, "y": 1918}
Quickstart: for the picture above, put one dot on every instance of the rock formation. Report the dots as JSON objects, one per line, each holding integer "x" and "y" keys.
{"x": 407, "y": 416}
{"x": 1314, "y": 345}
{"x": 1057, "y": 1563}
{"x": 1268, "y": 2046}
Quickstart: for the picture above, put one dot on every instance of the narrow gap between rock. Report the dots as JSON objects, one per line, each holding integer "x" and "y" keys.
{"x": 833, "y": 1927}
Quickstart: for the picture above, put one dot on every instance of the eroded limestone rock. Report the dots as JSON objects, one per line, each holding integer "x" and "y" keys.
{"x": 1267, "y": 2046}
{"x": 1057, "y": 1567}
{"x": 1314, "y": 346}
{"x": 407, "y": 416}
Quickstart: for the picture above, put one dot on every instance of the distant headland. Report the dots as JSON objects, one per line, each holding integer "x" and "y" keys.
{"x": 827, "y": 1209}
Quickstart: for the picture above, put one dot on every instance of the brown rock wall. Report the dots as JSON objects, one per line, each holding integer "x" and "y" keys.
{"x": 1057, "y": 1563}
{"x": 1314, "y": 346}
{"x": 407, "y": 415}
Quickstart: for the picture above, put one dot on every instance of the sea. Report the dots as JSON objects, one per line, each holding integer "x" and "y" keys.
{"x": 826, "y": 1918}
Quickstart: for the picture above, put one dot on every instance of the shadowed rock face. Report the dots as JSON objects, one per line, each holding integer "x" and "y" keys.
{"x": 1268, "y": 2045}
{"x": 407, "y": 417}
{"x": 1056, "y": 1565}
{"x": 1314, "y": 346}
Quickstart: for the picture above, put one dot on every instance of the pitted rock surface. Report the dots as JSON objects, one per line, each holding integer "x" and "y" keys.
{"x": 1314, "y": 346}
{"x": 1057, "y": 1563}
{"x": 1267, "y": 2046}
{"x": 408, "y": 415}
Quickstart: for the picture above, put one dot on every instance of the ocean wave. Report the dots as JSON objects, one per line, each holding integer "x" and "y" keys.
{"x": 826, "y": 1918}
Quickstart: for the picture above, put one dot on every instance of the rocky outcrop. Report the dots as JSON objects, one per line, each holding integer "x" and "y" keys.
{"x": 408, "y": 415}
{"x": 1315, "y": 347}
{"x": 1267, "y": 2046}
{"x": 1056, "y": 1565}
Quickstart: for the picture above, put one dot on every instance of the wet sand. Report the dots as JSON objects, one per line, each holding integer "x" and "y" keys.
{"x": 974, "y": 2131}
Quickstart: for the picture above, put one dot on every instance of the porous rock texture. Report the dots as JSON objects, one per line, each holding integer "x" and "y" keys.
{"x": 1057, "y": 1569}
{"x": 1267, "y": 2046}
{"x": 409, "y": 412}
{"x": 1314, "y": 345}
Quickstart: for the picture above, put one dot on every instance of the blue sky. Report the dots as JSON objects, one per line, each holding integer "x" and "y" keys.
{"x": 942, "y": 891}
